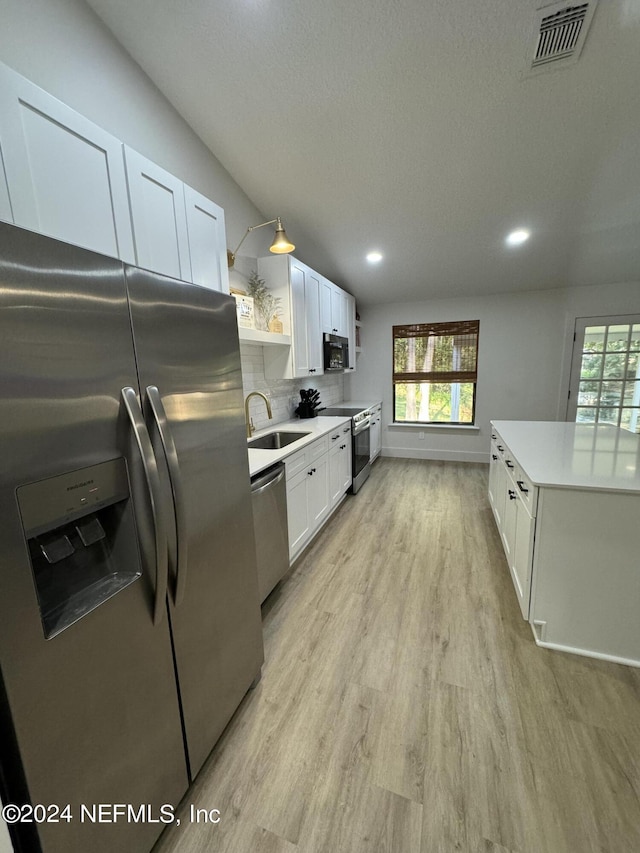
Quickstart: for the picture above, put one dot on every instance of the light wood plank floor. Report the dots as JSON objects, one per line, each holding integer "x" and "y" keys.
{"x": 404, "y": 707}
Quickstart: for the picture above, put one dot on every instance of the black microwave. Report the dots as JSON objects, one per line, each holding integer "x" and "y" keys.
{"x": 336, "y": 353}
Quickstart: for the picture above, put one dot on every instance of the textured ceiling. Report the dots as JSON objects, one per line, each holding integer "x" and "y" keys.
{"x": 410, "y": 126}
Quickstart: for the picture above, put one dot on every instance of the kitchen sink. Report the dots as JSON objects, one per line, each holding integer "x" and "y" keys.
{"x": 275, "y": 440}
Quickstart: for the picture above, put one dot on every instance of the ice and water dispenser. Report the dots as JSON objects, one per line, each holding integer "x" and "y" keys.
{"x": 80, "y": 530}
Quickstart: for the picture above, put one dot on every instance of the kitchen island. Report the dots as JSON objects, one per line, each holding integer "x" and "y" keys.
{"x": 566, "y": 499}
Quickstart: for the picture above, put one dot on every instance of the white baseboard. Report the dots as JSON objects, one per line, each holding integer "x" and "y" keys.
{"x": 442, "y": 455}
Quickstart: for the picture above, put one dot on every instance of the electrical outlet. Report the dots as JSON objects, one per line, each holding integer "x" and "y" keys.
{"x": 421, "y": 436}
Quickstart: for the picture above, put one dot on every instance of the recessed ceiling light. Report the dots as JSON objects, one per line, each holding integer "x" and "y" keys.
{"x": 374, "y": 257}
{"x": 517, "y": 237}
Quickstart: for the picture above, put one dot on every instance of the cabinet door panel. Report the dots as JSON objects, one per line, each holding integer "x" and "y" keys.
{"x": 65, "y": 175}
{"x": 522, "y": 556}
{"x": 314, "y": 332}
{"x": 509, "y": 518}
{"x": 5, "y": 203}
{"x": 299, "y": 321}
{"x": 159, "y": 217}
{"x": 325, "y": 305}
{"x": 337, "y": 303}
{"x": 297, "y": 512}
{"x": 207, "y": 241}
{"x": 336, "y": 473}
{"x": 346, "y": 464}
{"x": 350, "y": 331}
{"x": 318, "y": 491}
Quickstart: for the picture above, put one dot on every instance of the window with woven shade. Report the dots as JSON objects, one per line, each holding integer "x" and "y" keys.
{"x": 435, "y": 370}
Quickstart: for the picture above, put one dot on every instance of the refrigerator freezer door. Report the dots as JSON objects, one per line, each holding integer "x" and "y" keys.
{"x": 186, "y": 342}
{"x": 90, "y": 715}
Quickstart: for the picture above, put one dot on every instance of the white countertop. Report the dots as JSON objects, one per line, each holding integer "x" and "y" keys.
{"x": 315, "y": 427}
{"x": 569, "y": 455}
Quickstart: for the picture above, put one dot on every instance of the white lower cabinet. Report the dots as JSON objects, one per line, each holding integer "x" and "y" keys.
{"x": 339, "y": 463}
{"x": 297, "y": 511}
{"x": 566, "y": 499}
{"x": 307, "y": 474}
{"x": 318, "y": 490}
{"x": 511, "y": 499}
{"x": 317, "y": 478}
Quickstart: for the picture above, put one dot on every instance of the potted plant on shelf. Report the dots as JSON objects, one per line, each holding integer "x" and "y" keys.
{"x": 267, "y": 306}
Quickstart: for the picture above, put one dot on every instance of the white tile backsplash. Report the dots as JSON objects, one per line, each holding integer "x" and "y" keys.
{"x": 284, "y": 394}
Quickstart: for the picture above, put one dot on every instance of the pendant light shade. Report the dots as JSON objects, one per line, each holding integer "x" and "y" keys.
{"x": 281, "y": 244}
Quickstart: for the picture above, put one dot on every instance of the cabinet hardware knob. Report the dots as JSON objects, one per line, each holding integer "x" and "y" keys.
{"x": 509, "y": 464}
{"x": 512, "y": 495}
{"x": 493, "y": 436}
{"x": 333, "y": 437}
{"x": 494, "y": 457}
{"x": 522, "y": 487}
{"x": 500, "y": 448}
{"x": 310, "y": 473}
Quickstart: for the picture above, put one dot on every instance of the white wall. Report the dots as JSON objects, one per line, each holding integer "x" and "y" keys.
{"x": 523, "y": 360}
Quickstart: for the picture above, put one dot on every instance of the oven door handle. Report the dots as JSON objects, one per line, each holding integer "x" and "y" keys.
{"x": 361, "y": 426}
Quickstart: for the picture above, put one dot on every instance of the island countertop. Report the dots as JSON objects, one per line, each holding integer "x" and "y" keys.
{"x": 569, "y": 455}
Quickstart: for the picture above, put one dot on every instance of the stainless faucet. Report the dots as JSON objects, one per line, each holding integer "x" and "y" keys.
{"x": 250, "y": 427}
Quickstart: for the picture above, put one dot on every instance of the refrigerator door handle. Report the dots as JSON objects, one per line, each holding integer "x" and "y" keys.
{"x": 175, "y": 478}
{"x": 152, "y": 477}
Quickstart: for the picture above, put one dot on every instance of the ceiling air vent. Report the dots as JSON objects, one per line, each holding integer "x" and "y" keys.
{"x": 561, "y": 30}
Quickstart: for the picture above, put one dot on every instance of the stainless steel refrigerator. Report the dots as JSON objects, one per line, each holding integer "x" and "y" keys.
{"x": 130, "y": 623}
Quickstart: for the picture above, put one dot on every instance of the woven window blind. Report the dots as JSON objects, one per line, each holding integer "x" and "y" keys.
{"x": 436, "y": 352}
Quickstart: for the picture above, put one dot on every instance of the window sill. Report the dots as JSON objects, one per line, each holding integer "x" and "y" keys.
{"x": 465, "y": 427}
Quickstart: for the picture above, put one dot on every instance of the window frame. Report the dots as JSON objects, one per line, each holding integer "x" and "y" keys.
{"x": 468, "y": 377}
{"x": 580, "y": 327}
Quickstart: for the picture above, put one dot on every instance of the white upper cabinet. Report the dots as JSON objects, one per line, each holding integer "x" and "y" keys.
{"x": 351, "y": 330}
{"x": 177, "y": 231}
{"x": 207, "y": 241}
{"x": 333, "y": 308}
{"x": 298, "y": 288}
{"x": 159, "y": 217}
{"x": 65, "y": 175}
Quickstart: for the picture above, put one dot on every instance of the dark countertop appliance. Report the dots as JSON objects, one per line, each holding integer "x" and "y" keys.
{"x": 360, "y": 442}
{"x": 336, "y": 353}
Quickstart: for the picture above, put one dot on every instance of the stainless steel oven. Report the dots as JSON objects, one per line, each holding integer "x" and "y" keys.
{"x": 360, "y": 442}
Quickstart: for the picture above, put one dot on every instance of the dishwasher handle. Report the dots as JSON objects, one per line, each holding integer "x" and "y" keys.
{"x": 272, "y": 476}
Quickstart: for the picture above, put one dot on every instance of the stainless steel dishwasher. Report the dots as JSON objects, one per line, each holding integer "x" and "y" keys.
{"x": 269, "y": 499}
